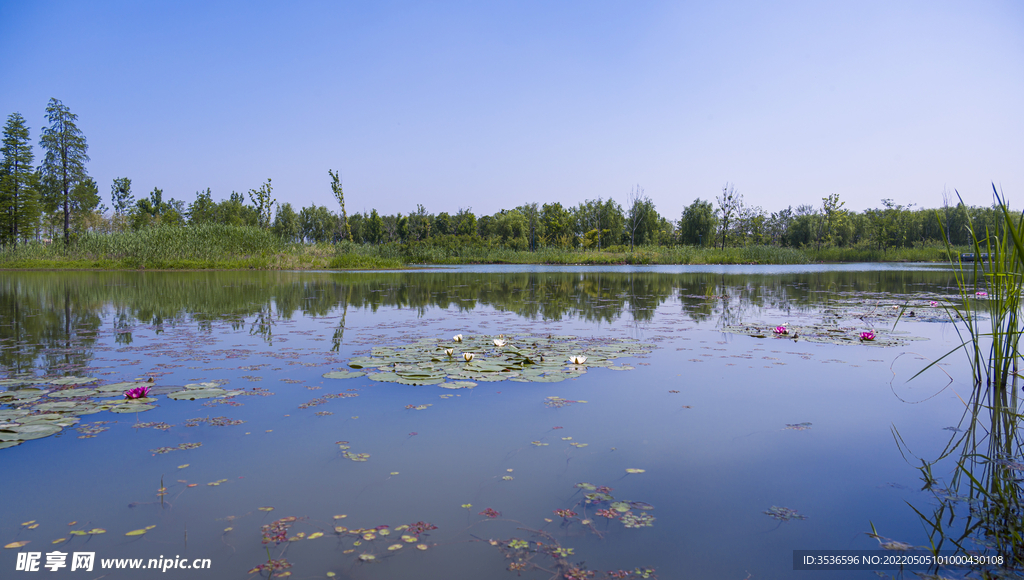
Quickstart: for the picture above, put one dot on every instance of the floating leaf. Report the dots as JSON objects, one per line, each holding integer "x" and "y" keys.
{"x": 634, "y": 470}
{"x": 315, "y": 535}
{"x": 394, "y": 547}
{"x": 266, "y": 509}
{"x": 136, "y": 533}
{"x": 783, "y": 514}
{"x": 421, "y": 546}
{"x": 344, "y": 374}
{"x": 14, "y": 545}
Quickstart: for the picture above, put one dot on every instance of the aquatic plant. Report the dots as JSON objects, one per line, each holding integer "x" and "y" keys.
{"x": 780, "y": 330}
{"x": 982, "y": 508}
{"x": 867, "y": 335}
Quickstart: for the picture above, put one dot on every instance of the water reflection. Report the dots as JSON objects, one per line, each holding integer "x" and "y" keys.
{"x": 980, "y": 509}
{"x": 49, "y": 320}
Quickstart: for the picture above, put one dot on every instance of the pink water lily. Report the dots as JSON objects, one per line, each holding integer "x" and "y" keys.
{"x": 981, "y": 293}
{"x": 780, "y": 330}
{"x": 933, "y": 304}
{"x": 137, "y": 393}
{"x": 867, "y": 335}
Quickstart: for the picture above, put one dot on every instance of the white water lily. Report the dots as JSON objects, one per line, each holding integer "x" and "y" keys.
{"x": 468, "y": 356}
{"x": 498, "y": 342}
{"x": 457, "y": 338}
{"x": 577, "y": 359}
{"x": 449, "y": 351}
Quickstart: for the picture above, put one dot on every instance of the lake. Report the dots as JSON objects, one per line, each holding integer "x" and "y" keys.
{"x": 695, "y": 441}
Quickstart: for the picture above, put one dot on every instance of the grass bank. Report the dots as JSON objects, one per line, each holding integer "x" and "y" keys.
{"x": 216, "y": 246}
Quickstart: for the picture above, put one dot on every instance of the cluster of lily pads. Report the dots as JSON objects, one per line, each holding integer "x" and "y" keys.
{"x": 364, "y": 540}
{"x": 548, "y": 555}
{"x": 823, "y": 333}
{"x": 33, "y": 407}
{"x": 465, "y": 360}
{"x": 616, "y": 510}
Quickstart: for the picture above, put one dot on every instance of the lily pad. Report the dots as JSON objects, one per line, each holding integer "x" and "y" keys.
{"x": 344, "y": 374}
{"x": 131, "y": 408}
{"x": 73, "y": 380}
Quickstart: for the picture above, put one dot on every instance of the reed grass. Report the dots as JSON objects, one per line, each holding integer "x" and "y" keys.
{"x": 990, "y": 446}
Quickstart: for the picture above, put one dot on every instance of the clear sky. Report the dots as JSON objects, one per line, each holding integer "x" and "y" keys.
{"x": 494, "y": 104}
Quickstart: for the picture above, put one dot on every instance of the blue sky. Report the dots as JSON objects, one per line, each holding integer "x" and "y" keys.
{"x": 493, "y": 104}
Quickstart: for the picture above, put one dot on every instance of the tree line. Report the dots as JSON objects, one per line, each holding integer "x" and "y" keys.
{"x": 58, "y": 198}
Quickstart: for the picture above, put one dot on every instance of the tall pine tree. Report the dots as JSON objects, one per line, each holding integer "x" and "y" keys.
{"x": 64, "y": 165}
{"x": 19, "y": 198}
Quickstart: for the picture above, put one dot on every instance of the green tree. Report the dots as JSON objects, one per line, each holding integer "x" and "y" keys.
{"x": 263, "y": 203}
{"x": 443, "y": 224}
{"x": 121, "y": 199}
{"x": 465, "y": 222}
{"x": 642, "y": 219}
{"x": 357, "y": 227}
{"x": 730, "y": 205}
{"x": 510, "y": 225}
{"x": 419, "y": 224}
{"x": 121, "y": 195}
{"x": 778, "y": 225}
{"x": 19, "y": 197}
{"x": 316, "y": 223}
{"x": 86, "y": 199}
{"x": 346, "y": 232}
{"x": 233, "y": 211}
{"x": 64, "y": 164}
{"x": 286, "y": 223}
{"x": 203, "y": 209}
{"x": 697, "y": 224}
{"x": 832, "y": 217}
{"x": 557, "y": 224}
{"x": 374, "y": 228}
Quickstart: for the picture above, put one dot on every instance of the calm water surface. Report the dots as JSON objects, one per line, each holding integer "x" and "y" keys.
{"x": 707, "y": 414}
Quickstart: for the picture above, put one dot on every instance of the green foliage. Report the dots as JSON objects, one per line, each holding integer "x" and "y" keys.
{"x": 287, "y": 224}
{"x": 465, "y": 222}
{"x": 19, "y": 195}
{"x": 344, "y": 231}
{"x": 121, "y": 197}
{"x": 316, "y": 224}
{"x": 730, "y": 204}
{"x": 153, "y": 211}
{"x": 64, "y": 164}
{"x": 642, "y": 220}
{"x": 557, "y": 222}
{"x": 203, "y": 209}
{"x": 832, "y": 219}
{"x": 443, "y": 224}
{"x": 374, "y": 228}
{"x": 263, "y": 203}
{"x": 698, "y": 223}
{"x": 600, "y": 223}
